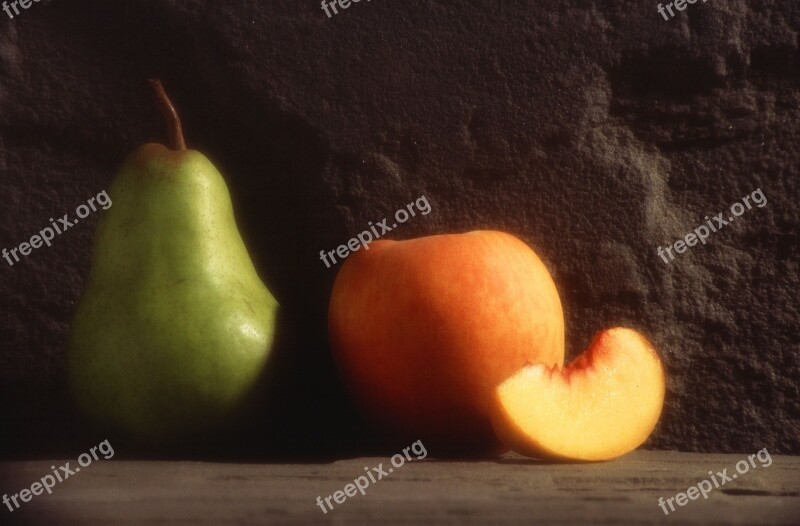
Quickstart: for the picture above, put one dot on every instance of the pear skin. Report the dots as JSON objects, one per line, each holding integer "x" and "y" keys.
{"x": 175, "y": 326}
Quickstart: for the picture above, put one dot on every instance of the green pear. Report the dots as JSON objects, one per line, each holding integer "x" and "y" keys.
{"x": 175, "y": 327}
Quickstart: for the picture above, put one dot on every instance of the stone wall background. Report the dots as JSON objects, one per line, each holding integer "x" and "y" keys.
{"x": 595, "y": 131}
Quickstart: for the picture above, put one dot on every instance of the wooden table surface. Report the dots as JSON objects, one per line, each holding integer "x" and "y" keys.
{"x": 509, "y": 490}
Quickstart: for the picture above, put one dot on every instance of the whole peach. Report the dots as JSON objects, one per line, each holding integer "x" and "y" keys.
{"x": 424, "y": 330}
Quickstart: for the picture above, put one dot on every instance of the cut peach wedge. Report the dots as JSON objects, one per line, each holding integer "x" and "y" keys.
{"x": 603, "y": 405}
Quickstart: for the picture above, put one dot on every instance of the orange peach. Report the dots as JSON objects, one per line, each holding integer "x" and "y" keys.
{"x": 424, "y": 330}
{"x": 603, "y": 405}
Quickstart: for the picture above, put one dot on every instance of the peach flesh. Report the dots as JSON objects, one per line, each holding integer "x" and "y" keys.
{"x": 603, "y": 405}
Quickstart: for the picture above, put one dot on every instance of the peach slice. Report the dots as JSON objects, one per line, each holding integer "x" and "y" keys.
{"x": 603, "y": 405}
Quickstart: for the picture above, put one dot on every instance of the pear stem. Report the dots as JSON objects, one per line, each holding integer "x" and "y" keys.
{"x": 174, "y": 126}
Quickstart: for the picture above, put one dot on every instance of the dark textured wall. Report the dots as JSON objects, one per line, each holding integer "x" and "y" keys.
{"x": 595, "y": 131}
